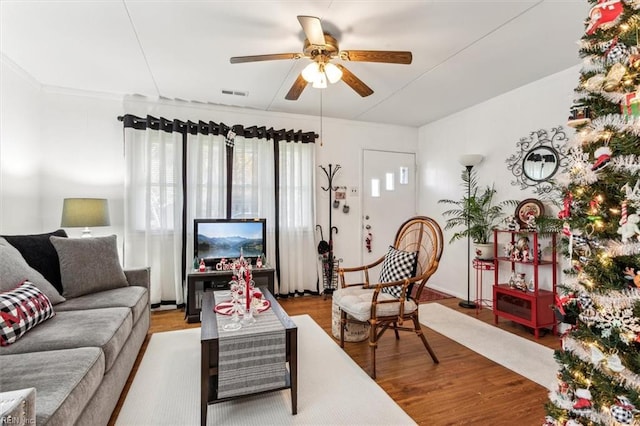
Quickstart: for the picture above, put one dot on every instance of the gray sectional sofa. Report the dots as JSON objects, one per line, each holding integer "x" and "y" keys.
{"x": 79, "y": 359}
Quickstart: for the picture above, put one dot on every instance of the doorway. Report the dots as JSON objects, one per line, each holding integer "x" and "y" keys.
{"x": 388, "y": 199}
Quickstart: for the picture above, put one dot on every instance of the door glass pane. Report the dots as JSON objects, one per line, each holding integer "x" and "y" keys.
{"x": 404, "y": 175}
{"x": 389, "y": 182}
{"x": 375, "y": 187}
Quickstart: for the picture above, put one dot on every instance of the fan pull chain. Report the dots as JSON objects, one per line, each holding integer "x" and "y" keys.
{"x": 321, "y": 140}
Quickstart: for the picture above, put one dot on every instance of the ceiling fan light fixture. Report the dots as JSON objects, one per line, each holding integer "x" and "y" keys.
{"x": 320, "y": 82}
{"x": 334, "y": 74}
{"x": 321, "y": 48}
{"x": 311, "y": 72}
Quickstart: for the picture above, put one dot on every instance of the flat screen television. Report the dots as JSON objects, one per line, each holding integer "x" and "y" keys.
{"x": 215, "y": 239}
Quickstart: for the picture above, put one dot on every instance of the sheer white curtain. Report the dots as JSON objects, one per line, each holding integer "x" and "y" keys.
{"x": 153, "y": 209}
{"x": 298, "y": 256}
{"x": 253, "y": 186}
{"x": 206, "y": 187}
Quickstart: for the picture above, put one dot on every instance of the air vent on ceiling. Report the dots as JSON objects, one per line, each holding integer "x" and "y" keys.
{"x": 234, "y": 92}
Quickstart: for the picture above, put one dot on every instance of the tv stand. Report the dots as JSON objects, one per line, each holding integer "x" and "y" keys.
{"x": 199, "y": 282}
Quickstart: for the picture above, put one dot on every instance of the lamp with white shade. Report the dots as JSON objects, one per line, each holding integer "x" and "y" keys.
{"x": 85, "y": 213}
{"x": 469, "y": 161}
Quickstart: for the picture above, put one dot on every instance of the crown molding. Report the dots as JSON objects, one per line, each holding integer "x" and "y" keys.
{"x": 71, "y": 91}
{"x": 4, "y": 59}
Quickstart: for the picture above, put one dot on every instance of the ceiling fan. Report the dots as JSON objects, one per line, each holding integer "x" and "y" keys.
{"x": 321, "y": 48}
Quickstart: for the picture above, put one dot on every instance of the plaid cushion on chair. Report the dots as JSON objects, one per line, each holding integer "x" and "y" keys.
{"x": 397, "y": 266}
{"x": 22, "y": 309}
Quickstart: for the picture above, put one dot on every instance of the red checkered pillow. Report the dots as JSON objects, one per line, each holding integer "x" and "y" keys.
{"x": 21, "y": 309}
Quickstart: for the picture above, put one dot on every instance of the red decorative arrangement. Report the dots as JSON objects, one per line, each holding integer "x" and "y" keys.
{"x": 242, "y": 285}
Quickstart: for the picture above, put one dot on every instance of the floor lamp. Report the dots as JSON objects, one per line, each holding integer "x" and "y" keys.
{"x": 469, "y": 161}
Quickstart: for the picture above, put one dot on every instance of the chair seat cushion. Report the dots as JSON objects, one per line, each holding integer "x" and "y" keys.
{"x": 356, "y": 301}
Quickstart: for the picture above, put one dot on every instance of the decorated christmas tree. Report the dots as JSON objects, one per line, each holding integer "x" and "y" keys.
{"x": 599, "y": 299}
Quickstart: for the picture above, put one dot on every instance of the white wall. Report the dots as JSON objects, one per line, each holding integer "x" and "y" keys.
{"x": 492, "y": 129}
{"x": 20, "y": 119}
{"x": 82, "y": 151}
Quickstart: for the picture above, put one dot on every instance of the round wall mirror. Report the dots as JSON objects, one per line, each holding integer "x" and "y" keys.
{"x": 540, "y": 163}
{"x": 538, "y": 159}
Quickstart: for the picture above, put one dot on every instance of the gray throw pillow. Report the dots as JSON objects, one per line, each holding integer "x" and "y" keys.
{"x": 89, "y": 265}
{"x": 14, "y": 270}
{"x": 39, "y": 253}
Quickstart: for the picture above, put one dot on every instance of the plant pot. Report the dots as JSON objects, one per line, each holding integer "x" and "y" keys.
{"x": 483, "y": 251}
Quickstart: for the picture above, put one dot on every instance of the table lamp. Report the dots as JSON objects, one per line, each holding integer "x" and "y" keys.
{"x": 85, "y": 212}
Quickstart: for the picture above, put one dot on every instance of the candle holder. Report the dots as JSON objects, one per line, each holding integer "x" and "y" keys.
{"x": 248, "y": 318}
{"x": 236, "y": 308}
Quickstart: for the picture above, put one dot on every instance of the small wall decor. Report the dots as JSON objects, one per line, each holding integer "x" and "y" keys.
{"x": 539, "y": 157}
{"x": 527, "y": 212}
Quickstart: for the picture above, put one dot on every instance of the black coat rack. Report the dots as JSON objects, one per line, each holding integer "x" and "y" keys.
{"x": 329, "y": 266}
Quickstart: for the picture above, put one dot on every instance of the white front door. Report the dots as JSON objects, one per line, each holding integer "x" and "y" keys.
{"x": 388, "y": 199}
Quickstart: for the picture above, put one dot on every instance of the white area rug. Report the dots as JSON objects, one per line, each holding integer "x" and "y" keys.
{"x": 332, "y": 388}
{"x": 529, "y": 359}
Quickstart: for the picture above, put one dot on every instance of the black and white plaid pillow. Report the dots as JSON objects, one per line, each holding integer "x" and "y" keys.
{"x": 397, "y": 266}
{"x": 22, "y": 309}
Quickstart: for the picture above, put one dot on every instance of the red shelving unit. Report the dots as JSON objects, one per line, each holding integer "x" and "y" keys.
{"x": 531, "y": 308}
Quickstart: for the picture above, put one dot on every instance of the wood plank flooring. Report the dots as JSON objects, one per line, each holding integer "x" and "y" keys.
{"x": 463, "y": 389}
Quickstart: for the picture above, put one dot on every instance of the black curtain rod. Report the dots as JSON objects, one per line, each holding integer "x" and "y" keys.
{"x": 260, "y": 132}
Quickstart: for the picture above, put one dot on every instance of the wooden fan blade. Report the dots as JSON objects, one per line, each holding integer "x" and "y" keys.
{"x": 354, "y": 82}
{"x": 386, "y": 56}
{"x": 272, "y": 57}
{"x": 312, "y": 29}
{"x": 296, "y": 89}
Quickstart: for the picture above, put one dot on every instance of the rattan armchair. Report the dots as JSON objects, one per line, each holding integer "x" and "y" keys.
{"x": 368, "y": 302}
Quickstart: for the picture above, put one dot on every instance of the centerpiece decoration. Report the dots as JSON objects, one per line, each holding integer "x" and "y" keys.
{"x": 246, "y": 298}
{"x": 242, "y": 275}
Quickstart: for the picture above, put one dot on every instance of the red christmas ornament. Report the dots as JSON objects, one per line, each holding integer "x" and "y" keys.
{"x": 565, "y": 213}
{"x": 605, "y": 12}
{"x": 603, "y": 155}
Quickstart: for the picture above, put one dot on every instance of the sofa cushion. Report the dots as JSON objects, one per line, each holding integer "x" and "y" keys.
{"x": 135, "y": 298}
{"x": 65, "y": 380}
{"x": 22, "y": 309}
{"x": 89, "y": 265}
{"x": 356, "y": 301}
{"x": 14, "y": 270}
{"x": 107, "y": 329}
{"x": 40, "y": 254}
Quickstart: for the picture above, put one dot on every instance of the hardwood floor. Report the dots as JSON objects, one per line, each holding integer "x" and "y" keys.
{"x": 463, "y": 389}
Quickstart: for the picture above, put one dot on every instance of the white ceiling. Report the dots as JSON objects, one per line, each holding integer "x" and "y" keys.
{"x": 464, "y": 52}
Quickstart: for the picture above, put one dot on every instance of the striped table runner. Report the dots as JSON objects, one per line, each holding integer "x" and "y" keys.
{"x": 251, "y": 359}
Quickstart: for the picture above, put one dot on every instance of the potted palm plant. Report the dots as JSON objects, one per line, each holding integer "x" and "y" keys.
{"x": 477, "y": 214}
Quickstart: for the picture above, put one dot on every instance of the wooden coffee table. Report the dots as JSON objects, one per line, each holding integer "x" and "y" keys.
{"x": 209, "y": 355}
